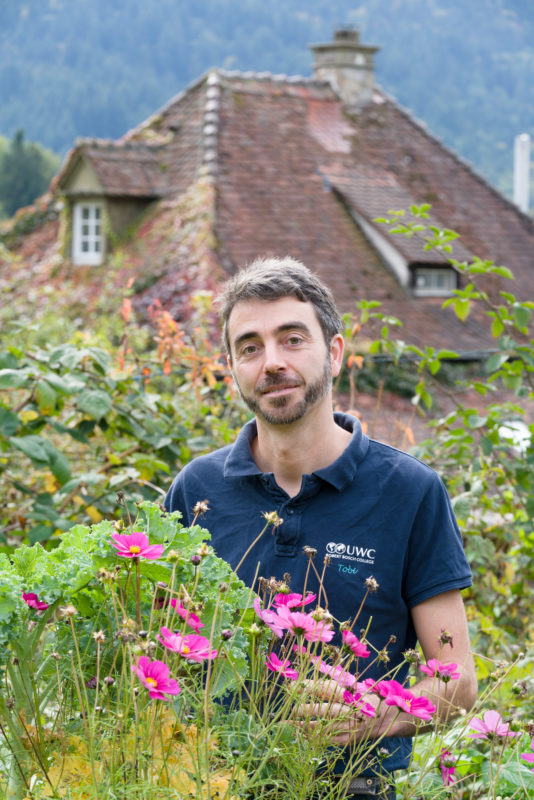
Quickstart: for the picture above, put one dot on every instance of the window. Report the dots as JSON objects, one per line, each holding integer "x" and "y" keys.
{"x": 434, "y": 281}
{"x": 87, "y": 239}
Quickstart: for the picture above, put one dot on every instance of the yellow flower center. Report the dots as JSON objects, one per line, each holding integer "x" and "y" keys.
{"x": 186, "y": 649}
{"x": 134, "y": 549}
{"x": 151, "y": 681}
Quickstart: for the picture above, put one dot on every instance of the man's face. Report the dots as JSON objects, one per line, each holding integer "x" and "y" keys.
{"x": 279, "y": 358}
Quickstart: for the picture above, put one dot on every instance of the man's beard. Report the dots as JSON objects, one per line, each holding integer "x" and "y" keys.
{"x": 278, "y": 414}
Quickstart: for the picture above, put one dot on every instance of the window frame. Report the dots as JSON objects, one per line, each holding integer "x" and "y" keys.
{"x": 432, "y": 271}
{"x": 93, "y": 237}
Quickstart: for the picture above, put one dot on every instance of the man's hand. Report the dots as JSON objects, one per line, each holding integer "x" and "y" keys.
{"x": 324, "y": 711}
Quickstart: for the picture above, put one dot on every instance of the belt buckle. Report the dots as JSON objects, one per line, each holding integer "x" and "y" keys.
{"x": 362, "y": 785}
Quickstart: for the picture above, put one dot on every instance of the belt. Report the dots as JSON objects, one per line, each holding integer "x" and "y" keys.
{"x": 370, "y": 787}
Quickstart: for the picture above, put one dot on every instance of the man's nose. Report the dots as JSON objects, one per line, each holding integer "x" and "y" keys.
{"x": 273, "y": 359}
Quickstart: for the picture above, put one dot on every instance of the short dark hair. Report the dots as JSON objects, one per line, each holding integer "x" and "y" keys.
{"x": 272, "y": 278}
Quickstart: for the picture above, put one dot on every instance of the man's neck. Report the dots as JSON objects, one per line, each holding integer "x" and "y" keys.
{"x": 291, "y": 451}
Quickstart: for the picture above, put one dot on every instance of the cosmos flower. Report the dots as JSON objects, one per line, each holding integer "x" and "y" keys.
{"x": 300, "y": 624}
{"x": 33, "y": 601}
{"x": 293, "y": 600}
{"x": 135, "y": 545}
{"x": 357, "y": 648}
{"x": 356, "y": 699}
{"x": 338, "y": 673}
{"x": 529, "y": 756}
{"x": 447, "y": 762}
{"x": 270, "y": 618}
{"x": 154, "y": 675}
{"x": 490, "y": 726}
{"x": 191, "y": 619}
{"x": 193, "y": 647}
{"x": 283, "y": 667}
{"x": 445, "y": 672}
{"x": 395, "y": 694}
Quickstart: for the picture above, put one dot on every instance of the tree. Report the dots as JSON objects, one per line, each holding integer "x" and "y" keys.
{"x": 26, "y": 169}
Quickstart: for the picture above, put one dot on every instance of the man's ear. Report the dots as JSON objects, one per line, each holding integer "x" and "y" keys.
{"x": 337, "y": 347}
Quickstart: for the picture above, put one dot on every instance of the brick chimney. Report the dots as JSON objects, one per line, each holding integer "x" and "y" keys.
{"x": 348, "y": 65}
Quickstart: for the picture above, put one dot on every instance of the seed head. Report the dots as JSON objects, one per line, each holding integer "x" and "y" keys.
{"x": 371, "y": 584}
{"x": 201, "y": 507}
{"x": 273, "y": 518}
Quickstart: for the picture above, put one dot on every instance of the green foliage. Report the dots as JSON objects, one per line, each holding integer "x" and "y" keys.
{"x": 485, "y": 454}
{"x": 25, "y": 172}
{"x": 80, "y": 423}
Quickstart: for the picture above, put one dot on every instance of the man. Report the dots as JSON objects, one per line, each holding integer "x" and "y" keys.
{"x": 374, "y": 511}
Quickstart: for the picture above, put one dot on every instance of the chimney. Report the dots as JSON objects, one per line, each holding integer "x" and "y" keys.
{"x": 522, "y": 171}
{"x": 347, "y": 65}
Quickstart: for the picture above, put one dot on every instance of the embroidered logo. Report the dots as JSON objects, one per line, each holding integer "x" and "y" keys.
{"x": 351, "y": 552}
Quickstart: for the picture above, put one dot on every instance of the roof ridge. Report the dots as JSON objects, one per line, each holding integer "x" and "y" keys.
{"x": 423, "y": 127}
{"x": 269, "y": 76}
{"x": 209, "y": 154}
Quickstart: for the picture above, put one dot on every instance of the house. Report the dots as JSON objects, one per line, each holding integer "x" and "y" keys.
{"x": 242, "y": 164}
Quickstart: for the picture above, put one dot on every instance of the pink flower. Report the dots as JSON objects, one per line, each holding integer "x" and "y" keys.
{"x": 445, "y": 672}
{"x": 33, "y": 601}
{"x": 357, "y": 700}
{"x": 154, "y": 675}
{"x": 491, "y": 725}
{"x": 191, "y": 646}
{"x": 283, "y": 667}
{"x": 447, "y": 762}
{"x": 338, "y": 673}
{"x": 293, "y": 600}
{"x": 191, "y": 619}
{"x": 529, "y": 756}
{"x": 269, "y": 617}
{"x": 304, "y": 625}
{"x": 354, "y": 645}
{"x": 135, "y": 545}
{"x": 395, "y": 694}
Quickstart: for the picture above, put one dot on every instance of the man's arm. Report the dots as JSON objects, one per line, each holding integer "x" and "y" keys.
{"x": 432, "y": 618}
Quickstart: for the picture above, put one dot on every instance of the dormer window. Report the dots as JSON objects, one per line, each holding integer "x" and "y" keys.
{"x": 87, "y": 236}
{"x": 431, "y": 281}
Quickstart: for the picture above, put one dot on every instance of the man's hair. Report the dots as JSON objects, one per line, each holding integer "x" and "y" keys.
{"x": 273, "y": 278}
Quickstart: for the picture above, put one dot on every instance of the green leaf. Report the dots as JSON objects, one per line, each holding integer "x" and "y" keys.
{"x": 13, "y": 378}
{"x": 40, "y": 533}
{"x": 95, "y": 402}
{"x": 60, "y": 468}
{"x": 46, "y": 397}
{"x": 497, "y": 327}
{"x": 32, "y": 446}
{"x": 65, "y": 384}
{"x": 522, "y": 316}
{"x": 9, "y": 422}
{"x": 496, "y": 361}
{"x": 462, "y": 307}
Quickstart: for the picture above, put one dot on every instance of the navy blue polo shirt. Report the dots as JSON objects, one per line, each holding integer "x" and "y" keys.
{"x": 375, "y": 512}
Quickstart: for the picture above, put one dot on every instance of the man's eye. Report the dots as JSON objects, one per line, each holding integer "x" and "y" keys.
{"x": 294, "y": 339}
{"x": 248, "y": 350}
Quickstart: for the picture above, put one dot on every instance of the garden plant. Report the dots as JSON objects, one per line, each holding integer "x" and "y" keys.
{"x": 135, "y": 664}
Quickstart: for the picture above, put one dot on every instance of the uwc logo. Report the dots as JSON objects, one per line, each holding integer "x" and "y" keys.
{"x": 351, "y": 552}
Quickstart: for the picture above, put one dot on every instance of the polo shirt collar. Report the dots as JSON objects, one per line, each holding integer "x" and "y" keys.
{"x": 240, "y": 461}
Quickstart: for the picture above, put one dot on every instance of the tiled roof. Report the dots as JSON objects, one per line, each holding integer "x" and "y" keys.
{"x": 133, "y": 170}
{"x": 295, "y": 172}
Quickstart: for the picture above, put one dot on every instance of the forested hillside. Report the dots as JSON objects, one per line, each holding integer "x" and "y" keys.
{"x": 73, "y": 68}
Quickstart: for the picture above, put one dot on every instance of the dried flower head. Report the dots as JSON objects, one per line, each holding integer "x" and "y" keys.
{"x": 309, "y": 552}
{"x": 201, "y": 507}
{"x": 66, "y": 611}
{"x": 99, "y": 636}
{"x": 327, "y": 561}
{"x": 203, "y": 550}
{"x": 446, "y": 637}
{"x": 412, "y": 657}
{"x": 273, "y": 518}
{"x": 371, "y": 584}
